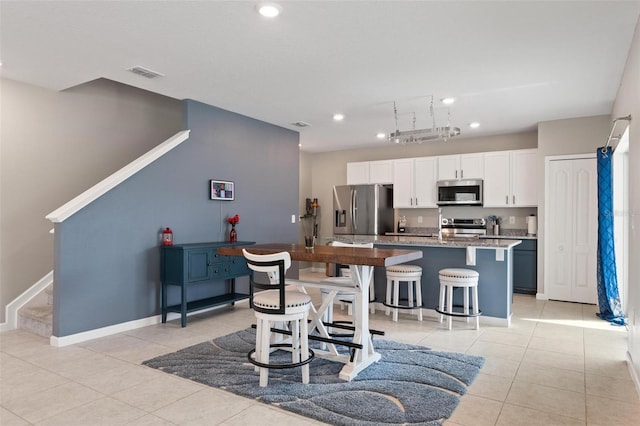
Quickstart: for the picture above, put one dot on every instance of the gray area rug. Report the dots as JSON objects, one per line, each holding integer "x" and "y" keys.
{"x": 409, "y": 385}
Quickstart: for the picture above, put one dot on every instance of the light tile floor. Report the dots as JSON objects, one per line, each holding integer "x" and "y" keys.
{"x": 557, "y": 365}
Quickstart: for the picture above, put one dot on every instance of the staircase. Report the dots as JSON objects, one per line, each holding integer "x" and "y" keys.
{"x": 38, "y": 317}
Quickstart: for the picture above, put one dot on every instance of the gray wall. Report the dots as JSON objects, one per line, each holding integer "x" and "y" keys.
{"x": 107, "y": 262}
{"x": 54, "y": 146}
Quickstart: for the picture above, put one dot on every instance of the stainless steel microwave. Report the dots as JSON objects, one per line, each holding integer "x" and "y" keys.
{"x": 460, "y": 192}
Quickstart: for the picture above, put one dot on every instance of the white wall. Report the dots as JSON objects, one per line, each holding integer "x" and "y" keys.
{"x": 628, "y": 102}
{"x": 54, "y": 146}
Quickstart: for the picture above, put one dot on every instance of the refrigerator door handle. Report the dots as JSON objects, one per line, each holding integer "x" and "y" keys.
{"x": 354, "y": 211}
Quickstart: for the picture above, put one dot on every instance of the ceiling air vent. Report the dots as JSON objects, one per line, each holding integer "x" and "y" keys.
{"x": 301, "y": 124}
{"x": 145, "y": 72}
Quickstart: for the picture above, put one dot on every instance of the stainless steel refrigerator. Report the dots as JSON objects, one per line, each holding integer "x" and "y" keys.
{"x": 363, "y": 209}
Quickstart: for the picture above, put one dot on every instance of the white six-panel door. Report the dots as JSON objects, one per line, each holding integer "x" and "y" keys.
{"x": 572, "y": 224}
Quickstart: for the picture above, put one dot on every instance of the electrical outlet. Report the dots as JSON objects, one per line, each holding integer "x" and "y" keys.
{"x": 419, "y": 219}
{"x": 293, "y": 218}
{"x": 512, "y": 220}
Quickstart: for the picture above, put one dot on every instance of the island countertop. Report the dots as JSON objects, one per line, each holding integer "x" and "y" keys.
{"x": 409, "y": 240}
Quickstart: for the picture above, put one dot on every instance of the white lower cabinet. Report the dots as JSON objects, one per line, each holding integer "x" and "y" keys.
{"x": 510, "y": 178}
{"x": 414, "y": 182}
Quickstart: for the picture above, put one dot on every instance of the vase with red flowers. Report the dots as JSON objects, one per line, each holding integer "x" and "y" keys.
{"x": 233, "y": 235}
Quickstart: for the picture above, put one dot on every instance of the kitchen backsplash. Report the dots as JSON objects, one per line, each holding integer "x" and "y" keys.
{"x": 428, "y": 218}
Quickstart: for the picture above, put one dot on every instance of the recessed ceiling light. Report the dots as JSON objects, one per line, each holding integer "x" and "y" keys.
{"x": 338, "y": 117}
{"x": 474, "y": 125}
{"x": 381, "y": 135}
{"x": 448, "y": 101}
{"x": 269, "y": 10}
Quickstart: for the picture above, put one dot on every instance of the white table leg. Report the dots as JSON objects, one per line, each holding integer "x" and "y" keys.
{"x": 366, "y": 356}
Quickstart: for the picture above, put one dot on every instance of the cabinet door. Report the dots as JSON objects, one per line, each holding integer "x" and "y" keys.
{"x": 425, "y": 176}
{"x": 381, "y": 171}
{"x": 471, "y": 166}
{"x": 524, "y": 178}
{"x": 403, "y": 183}
{"x": 198, "y": 261}
{"x": 448, "y": 166}
{"x": 496, "y": 179}
{"x": 525, "y": 271}
{"x": 358, "y": 173}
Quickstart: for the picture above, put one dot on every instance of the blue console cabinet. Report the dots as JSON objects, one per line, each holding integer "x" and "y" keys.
{"x": 188, "y": 265}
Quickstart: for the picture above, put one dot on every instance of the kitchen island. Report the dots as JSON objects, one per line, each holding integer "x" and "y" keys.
{"x": 492, "y": 258}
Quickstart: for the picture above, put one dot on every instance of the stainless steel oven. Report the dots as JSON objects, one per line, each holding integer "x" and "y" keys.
{"x": 469, "y": 228}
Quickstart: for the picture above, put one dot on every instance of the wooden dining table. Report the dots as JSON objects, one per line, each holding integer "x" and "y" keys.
{"x": 362, "y": 262}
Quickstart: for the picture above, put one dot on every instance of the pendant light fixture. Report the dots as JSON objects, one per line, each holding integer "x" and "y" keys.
{"x": 424, "y": 135}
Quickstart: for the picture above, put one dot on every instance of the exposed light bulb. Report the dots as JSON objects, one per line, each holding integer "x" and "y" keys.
{"x": 448, "y": 101}
{"x": 338, "y": 117}
{"x": 381, "y": 135}
{"x": 474, "y": 125}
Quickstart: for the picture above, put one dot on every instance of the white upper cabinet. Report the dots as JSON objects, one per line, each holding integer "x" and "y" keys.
{"x": 464, "y": 166}
{"x": 358, "y": 173}
{"x": 510, "y": 178}
{"x": 381, "y": 171}
{"x": 524, "y": 177}
{"x": 497, "y": 176}
{"x": 414, "y": 182}
{"x": 426, "y": 175}
{"x": 365, "y": 172}
{"x": 403, "y": 193}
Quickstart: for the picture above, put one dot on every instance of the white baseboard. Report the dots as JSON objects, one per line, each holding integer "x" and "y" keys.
{"x": 125, "y": 326}
{"x": 104, "y": 331}
{"x": 541, "y": 296}
{"x": 633, "y": 373}
{"x": 11, "y": 310}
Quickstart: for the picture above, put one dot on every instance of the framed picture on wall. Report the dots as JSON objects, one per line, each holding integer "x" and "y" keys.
{"x": 222, "y": 190}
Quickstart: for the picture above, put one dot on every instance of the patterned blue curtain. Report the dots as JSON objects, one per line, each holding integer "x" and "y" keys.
{"x": 608, "y": 296}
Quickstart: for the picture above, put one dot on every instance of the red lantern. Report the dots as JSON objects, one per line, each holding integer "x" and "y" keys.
{"x": 167, "y": 237}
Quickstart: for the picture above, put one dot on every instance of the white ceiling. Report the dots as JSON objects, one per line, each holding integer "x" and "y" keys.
{"x": 510, "y": 64}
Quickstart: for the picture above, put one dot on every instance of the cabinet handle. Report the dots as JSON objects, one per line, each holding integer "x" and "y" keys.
{"x": 411, "y": 199}
{"x": 456, "y": 174}
{"x": 461, "y": 174}
{"x": 506, "y": 199}
{"x": 416, "y": 201}
{"x": 514, "y": 199}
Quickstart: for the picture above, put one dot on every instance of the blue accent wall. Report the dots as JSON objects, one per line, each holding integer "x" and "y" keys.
{"x": 107, "y": 256}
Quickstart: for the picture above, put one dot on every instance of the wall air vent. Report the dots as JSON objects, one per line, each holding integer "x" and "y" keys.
{"x": 145, "y": 72}
{"x": 301, "y": 124}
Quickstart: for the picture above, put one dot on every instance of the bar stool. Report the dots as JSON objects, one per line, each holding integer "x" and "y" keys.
{"x": 273, "y": 303}
{"x": 412, "y": 275}
{"x": 450, "y": 279}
